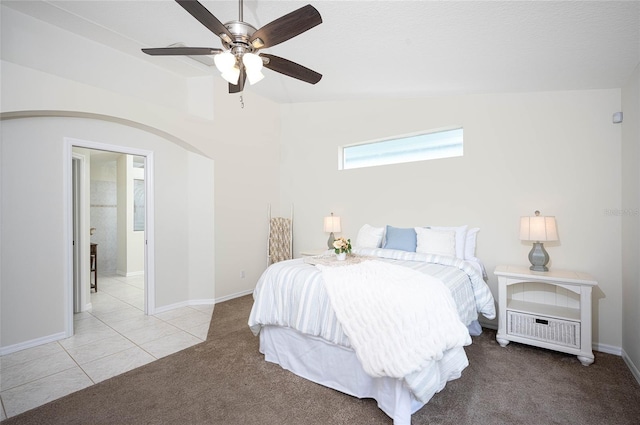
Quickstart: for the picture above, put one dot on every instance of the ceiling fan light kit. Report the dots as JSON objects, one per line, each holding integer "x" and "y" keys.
{"x": 253, "y": 66}
{"x": 239, "y": 59}
{"x": 232, "y": 75}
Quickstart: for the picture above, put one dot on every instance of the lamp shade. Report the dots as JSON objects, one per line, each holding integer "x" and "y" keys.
{"x": 332, "y": 224}
{"x": 538, "y": 228}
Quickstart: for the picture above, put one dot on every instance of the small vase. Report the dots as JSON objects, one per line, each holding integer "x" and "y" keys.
{"x": 342, "y": 256}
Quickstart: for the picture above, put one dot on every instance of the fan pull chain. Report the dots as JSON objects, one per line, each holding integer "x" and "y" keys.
{"x": 241, "y": 102}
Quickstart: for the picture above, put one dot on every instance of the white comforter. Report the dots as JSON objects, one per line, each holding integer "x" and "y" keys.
{"x": 397, "y": 319}
{"x": 293, "y": 294}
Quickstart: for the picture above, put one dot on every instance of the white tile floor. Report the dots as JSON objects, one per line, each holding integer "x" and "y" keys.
{"x": 114, "y": 337}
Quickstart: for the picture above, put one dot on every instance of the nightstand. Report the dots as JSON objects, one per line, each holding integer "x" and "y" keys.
{"x": 546, "y": 309}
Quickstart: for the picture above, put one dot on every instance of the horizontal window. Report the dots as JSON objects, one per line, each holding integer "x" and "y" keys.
{"x": 420, "y": 147}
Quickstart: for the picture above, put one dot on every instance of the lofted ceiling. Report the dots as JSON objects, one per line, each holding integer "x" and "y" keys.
{"x": 368, "y": 49}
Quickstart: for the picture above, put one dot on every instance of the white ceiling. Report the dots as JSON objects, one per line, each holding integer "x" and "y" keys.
{"x": 389, "y": 48}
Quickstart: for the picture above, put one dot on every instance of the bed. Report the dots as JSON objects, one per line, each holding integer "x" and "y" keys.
{"x": 302, "y": 328}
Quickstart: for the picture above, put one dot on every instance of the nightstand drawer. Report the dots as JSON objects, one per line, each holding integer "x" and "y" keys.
{"x": 542, "y": 328}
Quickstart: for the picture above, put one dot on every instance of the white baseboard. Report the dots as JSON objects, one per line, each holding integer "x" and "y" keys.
{"x": 232, "y": 296}
{"x": 32, "y": 343}
{"x": 632, "y": 367}
{"x": 609, "y": 349}
{"x": 205, "y": 301}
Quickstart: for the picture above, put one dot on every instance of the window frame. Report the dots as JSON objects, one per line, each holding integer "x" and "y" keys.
{"x": 341, "y": 149}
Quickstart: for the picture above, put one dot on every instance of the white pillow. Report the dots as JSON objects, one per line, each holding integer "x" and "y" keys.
{"x": 461, "y": 236}
{"x": 370, "y": 237}
{"x": 470, "y": 243}
{"x": 439, "y": 242}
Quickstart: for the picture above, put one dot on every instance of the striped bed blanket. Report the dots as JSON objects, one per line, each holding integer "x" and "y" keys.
{"x": 293, "y": 294}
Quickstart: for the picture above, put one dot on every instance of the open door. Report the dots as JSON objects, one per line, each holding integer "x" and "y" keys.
{"x": 80, "y": 256}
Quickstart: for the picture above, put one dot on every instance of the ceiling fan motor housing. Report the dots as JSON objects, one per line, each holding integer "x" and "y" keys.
{"x": 240, "y": 44}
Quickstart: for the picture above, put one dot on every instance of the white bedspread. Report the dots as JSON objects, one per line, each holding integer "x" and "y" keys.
{"x": 293, "y": 294}
{"x": 396, "y": 318}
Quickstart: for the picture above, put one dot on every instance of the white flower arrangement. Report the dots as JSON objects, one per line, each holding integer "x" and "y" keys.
{"x": 341, "y": 245}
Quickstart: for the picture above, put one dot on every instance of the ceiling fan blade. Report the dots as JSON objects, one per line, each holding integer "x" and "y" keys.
{"x": 286, "y": 27}
{"x": 237, "y": 88}
{"x": 291, "y": 69}
{"x": 188, "y": 51}
{"x": 206, "y": 18}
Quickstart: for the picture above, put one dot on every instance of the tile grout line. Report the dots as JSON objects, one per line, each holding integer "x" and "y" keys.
{"x": 122, "y": 335}
{"x": 91, "y": 315}
{"x": 41, "y": 377}
{"x": 78, "y": 365}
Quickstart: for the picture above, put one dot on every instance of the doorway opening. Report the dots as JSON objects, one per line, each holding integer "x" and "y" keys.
{"x": 111, "y": 210}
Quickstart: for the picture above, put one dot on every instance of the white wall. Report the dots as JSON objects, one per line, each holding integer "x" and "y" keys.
{"x": 195, "y": 114}
{"x": 555, "y": 152}
{"x": 103, "y": 206}
{"x": 33, "y": 268}
{"x": 135, "y": 238}
{"x": 130, "y": 242}
{"x": 122, "y": 222}
{"x": 200, "y": 225}
{"x": 247, "y": 156}
{"x": 631, "y": 222}
{"x": 50, "y": 49}
{"x": 33, "y": 221}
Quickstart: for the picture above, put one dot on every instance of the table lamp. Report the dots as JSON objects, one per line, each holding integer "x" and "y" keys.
{"x": 331, "y": 224}
{"x": 538, "y": 229}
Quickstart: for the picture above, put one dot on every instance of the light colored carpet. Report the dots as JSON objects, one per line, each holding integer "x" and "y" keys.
{"x": 225, "y": 380}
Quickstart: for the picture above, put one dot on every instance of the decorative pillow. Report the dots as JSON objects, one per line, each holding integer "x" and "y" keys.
{"x": 401, "y": 239}
{"x": 470, "y": 243}
{"x": 439, "y": 242}
{"x": 461, "y": 236}
{"x": 369, "y": 237}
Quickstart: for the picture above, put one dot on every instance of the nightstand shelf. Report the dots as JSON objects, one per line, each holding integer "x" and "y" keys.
{"x": 552, "y": 311}
{"x": 546, "y": 309}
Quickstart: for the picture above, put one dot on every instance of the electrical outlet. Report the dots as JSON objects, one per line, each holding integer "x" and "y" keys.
{"x": 242, "y": 275}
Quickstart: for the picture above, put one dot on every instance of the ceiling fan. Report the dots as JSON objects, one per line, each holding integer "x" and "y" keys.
{"x": 238, "y": 59}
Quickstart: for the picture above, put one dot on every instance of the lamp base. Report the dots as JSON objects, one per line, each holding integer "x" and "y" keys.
{"x": 331, "y": 240}
{"x": 539, "y": 258}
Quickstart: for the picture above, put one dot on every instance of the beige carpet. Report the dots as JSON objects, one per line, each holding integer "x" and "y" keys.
{"x": 225, "y": 380}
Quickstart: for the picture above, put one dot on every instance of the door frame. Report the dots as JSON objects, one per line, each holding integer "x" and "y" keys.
{"x": 80, "y": 256}
{"x": 149, "y": 246}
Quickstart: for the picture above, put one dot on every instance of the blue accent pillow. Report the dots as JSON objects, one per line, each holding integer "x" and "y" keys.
{"x": 401, "y": 239}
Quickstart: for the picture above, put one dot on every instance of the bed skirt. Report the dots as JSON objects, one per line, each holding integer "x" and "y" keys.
{"x": 338, "y": 367}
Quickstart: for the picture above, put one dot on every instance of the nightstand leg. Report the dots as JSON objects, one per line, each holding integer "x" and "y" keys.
{"x": 503, "y": 342}
{"x": 586, "y": 361}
